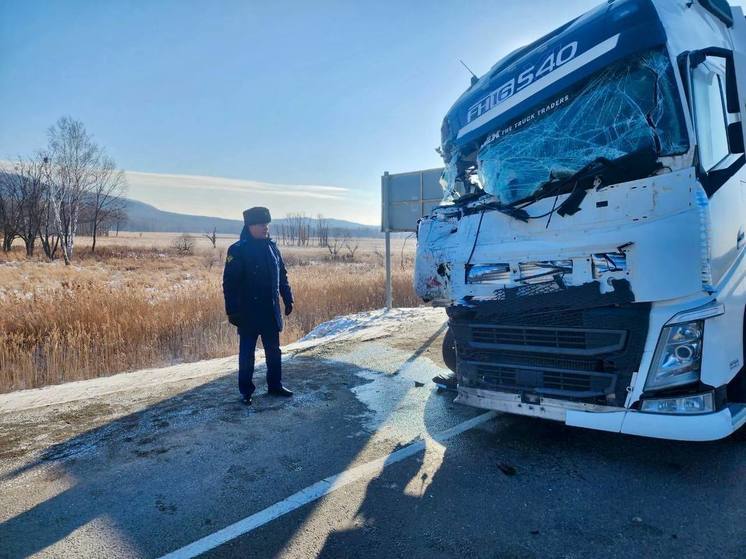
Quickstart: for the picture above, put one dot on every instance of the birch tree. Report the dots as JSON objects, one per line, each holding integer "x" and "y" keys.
{"x": 80, "y": 172}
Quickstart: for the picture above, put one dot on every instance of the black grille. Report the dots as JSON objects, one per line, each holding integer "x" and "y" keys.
{"x": 540, "y": 361}
{"x": 556, "y": 340}
{"x": 568, "y": 383}
{"x": 586, "y": 355}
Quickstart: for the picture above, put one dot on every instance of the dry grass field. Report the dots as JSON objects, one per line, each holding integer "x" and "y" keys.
{"x": 140, "y": 303}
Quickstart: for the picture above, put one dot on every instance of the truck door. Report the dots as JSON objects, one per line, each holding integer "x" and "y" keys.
{"x": 716, "y": 113}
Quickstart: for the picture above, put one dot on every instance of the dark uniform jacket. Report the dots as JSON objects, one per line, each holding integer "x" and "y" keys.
{"x": 253, "y": 280}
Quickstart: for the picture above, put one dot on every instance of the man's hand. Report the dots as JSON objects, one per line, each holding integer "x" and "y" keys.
{"x": 288, "y": 308}
{"x": 235, "y": 319}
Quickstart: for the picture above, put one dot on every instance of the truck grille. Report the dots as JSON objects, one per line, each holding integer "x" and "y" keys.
{"x": 585, "y": 354}
{"x": 579, "y": 384}
{"x": 556, "y": 340}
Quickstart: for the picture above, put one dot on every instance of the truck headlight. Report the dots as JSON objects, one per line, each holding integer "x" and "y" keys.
{"x": 678, "y": 356}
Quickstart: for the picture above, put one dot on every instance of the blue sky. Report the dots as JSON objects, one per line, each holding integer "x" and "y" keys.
{"x": 296, "y": 93}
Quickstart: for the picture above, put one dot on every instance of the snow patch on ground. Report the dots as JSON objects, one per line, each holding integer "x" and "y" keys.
{"x": 365, "y": 325}
{"x": 94, "y": 388}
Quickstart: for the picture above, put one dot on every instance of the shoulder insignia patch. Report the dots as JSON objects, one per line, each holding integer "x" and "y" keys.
{"x": 228, "y": 259}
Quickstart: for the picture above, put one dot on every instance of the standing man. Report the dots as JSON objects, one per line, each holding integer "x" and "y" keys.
{"x": 253, "y": 280}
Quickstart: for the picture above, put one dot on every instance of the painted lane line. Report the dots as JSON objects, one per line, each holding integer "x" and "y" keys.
{"x": 318, "y": 490}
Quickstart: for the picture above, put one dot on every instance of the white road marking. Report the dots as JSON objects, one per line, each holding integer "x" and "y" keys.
{"x": 318, "y": 490}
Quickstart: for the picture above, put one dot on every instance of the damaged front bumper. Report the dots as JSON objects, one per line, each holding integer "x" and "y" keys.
{"x": 701, "y": 427}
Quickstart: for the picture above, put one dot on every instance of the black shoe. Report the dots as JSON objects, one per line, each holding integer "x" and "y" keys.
{"x": 246, "y": 400}
{"x": 280, "y": 391}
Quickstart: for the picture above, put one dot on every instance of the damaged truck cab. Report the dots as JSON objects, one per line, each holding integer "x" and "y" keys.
{"x": 590, "y": 246}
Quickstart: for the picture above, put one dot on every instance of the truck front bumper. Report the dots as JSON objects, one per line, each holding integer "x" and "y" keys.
{"x": 702, "y": 427}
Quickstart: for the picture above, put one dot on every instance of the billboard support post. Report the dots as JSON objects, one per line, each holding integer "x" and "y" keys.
{"x": 389, "y": 290}
{"x": 405, "y": 198}
{"x": 385, "y": 227}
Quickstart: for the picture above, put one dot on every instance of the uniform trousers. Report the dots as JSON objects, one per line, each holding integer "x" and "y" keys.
{"x": 247, "y": 345}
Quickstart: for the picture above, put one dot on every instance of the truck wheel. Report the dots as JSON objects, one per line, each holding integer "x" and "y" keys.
{"x": 449, "y": 351}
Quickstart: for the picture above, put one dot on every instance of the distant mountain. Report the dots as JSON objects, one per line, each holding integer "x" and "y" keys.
{"x": 146, "y": 218}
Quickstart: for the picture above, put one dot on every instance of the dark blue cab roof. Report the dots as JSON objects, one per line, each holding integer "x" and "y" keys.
{"x": 538, "y": 72}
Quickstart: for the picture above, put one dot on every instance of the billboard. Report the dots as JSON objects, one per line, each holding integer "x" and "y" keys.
{"x": 406, "y": 197}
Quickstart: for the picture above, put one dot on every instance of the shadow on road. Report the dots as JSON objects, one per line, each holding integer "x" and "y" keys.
{"x": 194, "y": 463}
{"x": 531, "y": 488}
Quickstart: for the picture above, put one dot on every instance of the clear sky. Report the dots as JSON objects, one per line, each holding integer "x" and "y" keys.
{"x": 230, "y": 99}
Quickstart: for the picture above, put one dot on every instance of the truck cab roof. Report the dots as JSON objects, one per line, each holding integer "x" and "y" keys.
{"x": 534, "y": 74}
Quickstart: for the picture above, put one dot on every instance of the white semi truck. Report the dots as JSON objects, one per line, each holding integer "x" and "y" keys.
{"x": 590, "y": 247}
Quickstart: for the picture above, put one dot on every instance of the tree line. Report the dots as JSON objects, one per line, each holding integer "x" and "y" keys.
{"x": 70, "y": 187}
{"x": 299, "y": 230}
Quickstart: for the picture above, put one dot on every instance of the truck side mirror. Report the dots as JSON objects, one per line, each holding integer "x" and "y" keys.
{"x": 711, "y": 74}
{"x": 697, "y": 57}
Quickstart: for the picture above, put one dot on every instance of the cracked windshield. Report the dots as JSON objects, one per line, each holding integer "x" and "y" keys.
{"x": 630, "y": 106}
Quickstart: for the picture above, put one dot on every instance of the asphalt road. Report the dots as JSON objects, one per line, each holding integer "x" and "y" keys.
{"x": 146, "y": 473}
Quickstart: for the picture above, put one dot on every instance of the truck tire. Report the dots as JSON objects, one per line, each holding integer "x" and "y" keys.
{"x": 449, "y": 351}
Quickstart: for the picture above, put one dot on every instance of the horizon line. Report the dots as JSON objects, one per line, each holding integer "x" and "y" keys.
{"x": 377, "y": 224}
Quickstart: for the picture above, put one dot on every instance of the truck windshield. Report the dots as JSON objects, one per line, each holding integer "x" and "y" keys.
{"x": 628, "y": 106}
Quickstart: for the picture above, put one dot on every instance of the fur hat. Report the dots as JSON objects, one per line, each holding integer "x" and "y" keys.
{"x": 256, "y": 215}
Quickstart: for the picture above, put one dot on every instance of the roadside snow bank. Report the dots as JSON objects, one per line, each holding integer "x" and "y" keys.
{"x": 93, "y": 388}
{"x": 356, "y": 327}
{"x": 366, "y": 325}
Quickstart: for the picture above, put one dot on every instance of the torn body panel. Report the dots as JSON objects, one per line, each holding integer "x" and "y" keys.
{"x": 652, "y": 223}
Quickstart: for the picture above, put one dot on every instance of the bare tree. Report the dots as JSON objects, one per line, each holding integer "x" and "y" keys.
{"x": 334, "y": 247}
{"x": 107, "y": 195}
{"x": 298, "y": 228}
{"x": 305, "y": 232}
{"x": 10, "y": 209}
{"x": 26, "y": 204}
{"x": 212, "y": 237}
{"x": 282, "y": 231}
{"x": 119, "y": 218}
{"x": 50, "y": 240}
{"x": 322, "y": 230}
{"x": 303, "y": 226}
{"x": 184, "y": 244}
{"x": 351, "y": 247}
{"x": 72, "y": 176}
{"x": 26, "y": 181}
{"x": 289, "y": 229}
{"x": 404, "y": 260}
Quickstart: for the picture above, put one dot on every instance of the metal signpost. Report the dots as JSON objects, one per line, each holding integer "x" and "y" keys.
{"x": 405, "y": 198}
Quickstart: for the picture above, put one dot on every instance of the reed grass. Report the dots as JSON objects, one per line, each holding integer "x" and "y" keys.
{"x": 126, "y": 310}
